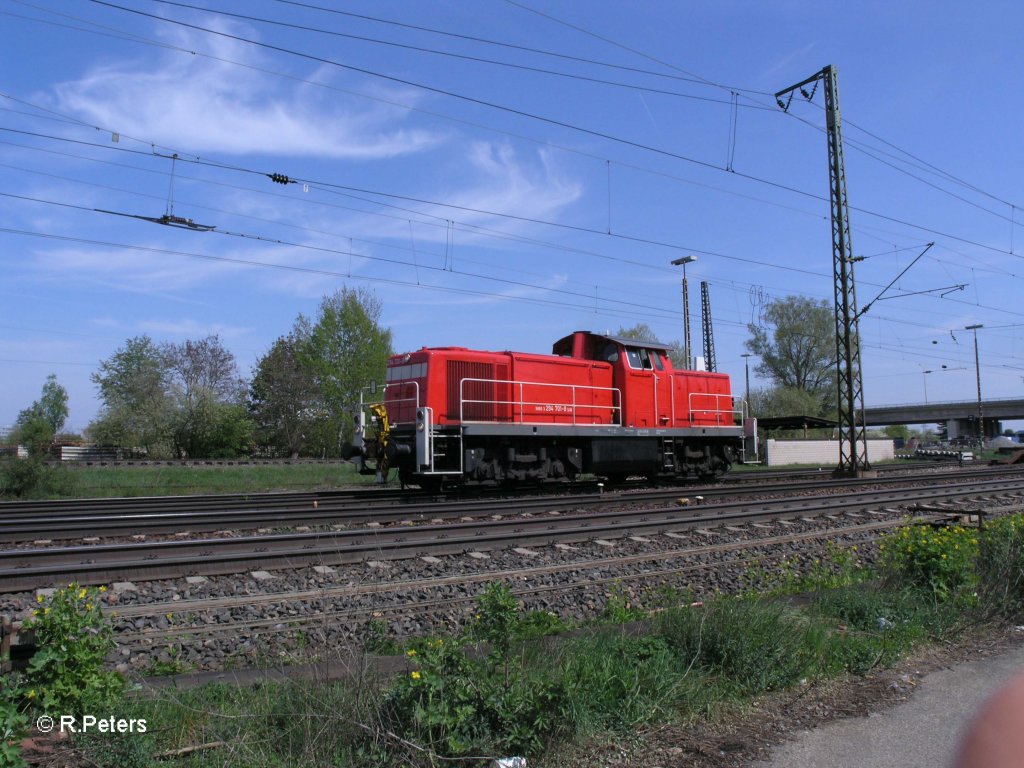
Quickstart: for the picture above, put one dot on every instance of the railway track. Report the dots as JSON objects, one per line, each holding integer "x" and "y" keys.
{"x": 76, "y": 519}
{"x": 408, "y": 593}
{"x": 28, "y": 568}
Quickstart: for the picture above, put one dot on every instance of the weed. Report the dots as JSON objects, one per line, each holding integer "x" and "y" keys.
{"x": 756, "y": 645}
{"x": 939, "y": 559}
{"x": 840, "y": 566}
{"x": 168, "y": 664}
{"x": 620, "y": 608}
{"x": 872, "y": 627}
{"x": 617, "y": 682}
{"x": 67, "y": 675}
{"x": 13, "y": 722}
{"x": 1001, "y": 566}
{"x": 377, "y": 639}
{"x": 534, "y": 624}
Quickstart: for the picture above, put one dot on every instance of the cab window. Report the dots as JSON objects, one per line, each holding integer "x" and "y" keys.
{"x": 640, "y": 359}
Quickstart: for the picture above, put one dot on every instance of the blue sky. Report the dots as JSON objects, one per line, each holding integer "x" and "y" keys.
{"x": 504, "y": 203}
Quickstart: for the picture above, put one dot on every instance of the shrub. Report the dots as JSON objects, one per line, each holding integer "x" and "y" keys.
{"x": 496, "y": 617}
{"x": 940, "y": 559}
{"x": 456, "y": 705}
{"x": 32, "y": 478}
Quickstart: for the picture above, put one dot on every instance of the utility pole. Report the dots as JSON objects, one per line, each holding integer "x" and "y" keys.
{"x": 853, "y": 447}
{"x": 709, "y": 339}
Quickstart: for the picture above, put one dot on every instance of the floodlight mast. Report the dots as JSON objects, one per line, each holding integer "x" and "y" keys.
{"x": 853, "y": 448}
{"x": 687, "y": 349}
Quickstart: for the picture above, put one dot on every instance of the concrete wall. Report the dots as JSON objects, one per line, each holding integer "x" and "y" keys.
{"x": 823, "y": 452}
{"x": 89, "y": 453}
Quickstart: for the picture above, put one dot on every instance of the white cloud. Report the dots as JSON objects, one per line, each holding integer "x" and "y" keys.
{"x": 510, "y": 185}
{"x": 128, "y": 270}
{"x": 497, "y": 181}
{"x": 200, "y": 104}
{"x": 191, "y": 329}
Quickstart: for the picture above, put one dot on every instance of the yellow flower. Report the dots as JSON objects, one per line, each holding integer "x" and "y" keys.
{"x": 39, "y": 598}
{"x": 415, "y": 675}
{"x": 31, "y": 694}
{"x": 88, "y": 606}
{"x": 81, "y": 593}
{"x": 103, "y": 589}
{"x": 410, "y": 653}
{"x": 35, "y": 613}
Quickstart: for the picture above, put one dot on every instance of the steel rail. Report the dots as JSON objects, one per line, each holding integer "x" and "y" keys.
{"x": 410, "y": 586}
{"x": 173, "y": 516}
{"x": 27, "y": 568}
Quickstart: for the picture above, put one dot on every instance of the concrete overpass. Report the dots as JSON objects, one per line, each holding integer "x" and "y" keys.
{"x": 960, "y": 416}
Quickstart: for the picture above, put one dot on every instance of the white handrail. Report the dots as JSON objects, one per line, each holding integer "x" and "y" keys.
{"x": 583, "y": 412}
{"x": 715, "y": 409}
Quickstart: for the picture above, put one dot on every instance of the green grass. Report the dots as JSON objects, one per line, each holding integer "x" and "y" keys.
{"x": 684, "y": 663}
{"x": 100, "y": 482}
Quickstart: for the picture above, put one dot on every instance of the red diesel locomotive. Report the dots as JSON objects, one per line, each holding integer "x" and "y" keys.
{"x": 609, "y": 406}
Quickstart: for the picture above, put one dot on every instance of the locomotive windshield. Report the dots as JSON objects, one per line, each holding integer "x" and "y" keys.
{"x": 405, "y": 372}
{"x": 643, "y": 359}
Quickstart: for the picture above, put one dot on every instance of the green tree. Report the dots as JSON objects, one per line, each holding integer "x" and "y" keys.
{"x": 207, "y": 396}
{"x": 133, "y": 385}
{"x": 283, "y": 397}
{"x": 796, "y": 346}
{"x": 173, "y": 399}
{"x": 897, "y": 431}
{"x": 784, "y": 401}
{"x": 37, "y": 425}
{"x": 346, "y": 349}
{"x": 54, "y": 404}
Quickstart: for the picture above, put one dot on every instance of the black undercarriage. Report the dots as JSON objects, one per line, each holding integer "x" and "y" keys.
{"x": 460, "y": 458}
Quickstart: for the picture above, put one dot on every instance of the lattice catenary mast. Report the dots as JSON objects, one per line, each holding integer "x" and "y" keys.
{"x": 709, "y": 338}
{"x": 853, "y": 453}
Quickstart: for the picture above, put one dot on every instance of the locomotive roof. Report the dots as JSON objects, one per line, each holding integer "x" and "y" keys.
{"x": 629, "y": 342}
